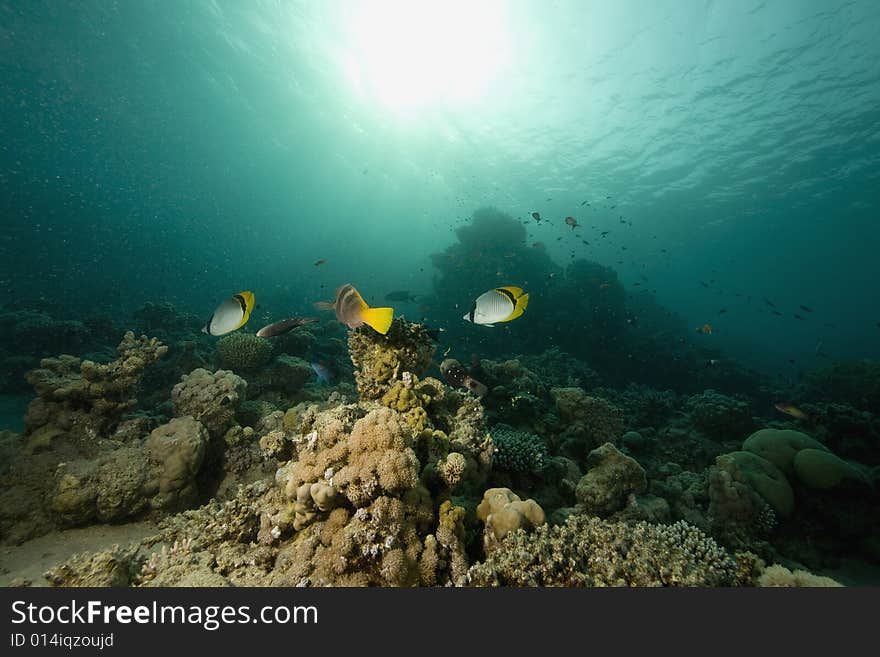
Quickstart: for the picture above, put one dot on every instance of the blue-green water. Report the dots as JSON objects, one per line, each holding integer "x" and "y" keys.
{"x": 152, "y": 152}
{"x": 721, "y": 161}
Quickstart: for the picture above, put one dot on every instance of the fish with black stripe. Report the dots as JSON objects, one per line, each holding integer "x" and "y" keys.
{"x": 230, "y": 315}
{"x": 500, "y": 304}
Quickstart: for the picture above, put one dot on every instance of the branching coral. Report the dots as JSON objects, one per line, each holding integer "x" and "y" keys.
{"x": 586, "y": 551}
{"x": 518, "y": 451}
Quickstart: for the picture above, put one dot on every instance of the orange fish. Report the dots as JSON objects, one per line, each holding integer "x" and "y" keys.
{"x": 791, "y": 409}
{"x": 705, "y": 329}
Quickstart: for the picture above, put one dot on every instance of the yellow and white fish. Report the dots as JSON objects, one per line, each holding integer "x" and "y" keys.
{"x": 230, "y": 315}
{"x": 500, "y": 304}
{"x": 353, "y": 311}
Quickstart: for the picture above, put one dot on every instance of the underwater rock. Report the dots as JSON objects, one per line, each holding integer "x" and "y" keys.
{"x": 210, "y": 398}
{"x": 380, "y": 360}
{"x": 175, "y": 452}
{"x": 113, "y": 567}
{"x": 587, "y": 551}
{"x": 243, "y": 352}
{"x": 611, "y": 478}
{"x": 86, "y": 399}
{"x": 157, "y": 474}
{"x": 503, "y": 512}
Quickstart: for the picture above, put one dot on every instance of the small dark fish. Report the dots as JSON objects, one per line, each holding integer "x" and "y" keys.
{"x": 583, "y": 203}
{"x": 796, "y": 316}
{"x": 722, "y": 311}
{"x": 319, "y": 262}
{"x": 400, "y": 295}
{"x": 604, "y": 233}
{"x": 776, "y": 312}
{"x": 585, "y": 242}
{"x": 548, "y": 200}
{"x": 704, "y": 284}
{"x": 536, "y": 216}
{"x": 769, "y": 303}
{"x": 806, "y": 308}
{"x": 571, "y": 221}
{"x": 284, "y": 326}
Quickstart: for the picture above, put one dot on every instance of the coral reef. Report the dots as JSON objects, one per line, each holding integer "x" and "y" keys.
{"x": 112, "y": 567}
{"x": 502, "y": 512}
{"x": 243, "y": 352}
{"x": 380, "y": 360}
{"x": 210, "y": 398}
{"x": 86, "y": 399}
{"x": 589, "y": 421}
{"x": 612, "y": 477}
{"x": 781, "y": 576}
{"x": 159, "y": 474}
{"x": 587, "y": 551}
{"x": 518, "y": 451}
{"x": 719, "y": 416}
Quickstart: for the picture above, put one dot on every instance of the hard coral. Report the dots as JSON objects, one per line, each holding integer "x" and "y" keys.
{"x": 587, "y": 551}
{"x": 517, "y": 451}
{"x": 244, "y": 352}
{"x": 612, "y": 477}
{"x": 503, "y": 512}
{"x": 380, "y": 360}
{"x": 719, "y": 416}
{"x": 87, "y": 399}
{"x": 211, "y": 398}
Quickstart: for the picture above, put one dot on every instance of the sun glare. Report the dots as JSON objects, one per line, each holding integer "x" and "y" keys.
{"x": 410, "y": 54}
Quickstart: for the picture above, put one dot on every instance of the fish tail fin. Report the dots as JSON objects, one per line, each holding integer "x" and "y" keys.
{"x": 247, "y": 301}
{"x": 521, "y": 304}
{"x": 324, "y": 305}
{"x": 378, "y": 318}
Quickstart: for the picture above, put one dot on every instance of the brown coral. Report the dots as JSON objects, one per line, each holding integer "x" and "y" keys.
{"x": 87, "y": 399}
{"x": 587, "y": 551}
